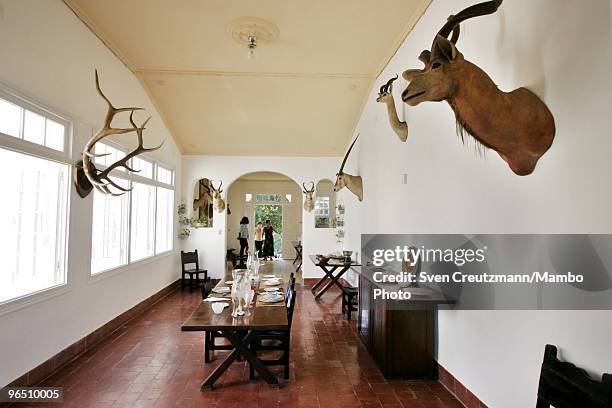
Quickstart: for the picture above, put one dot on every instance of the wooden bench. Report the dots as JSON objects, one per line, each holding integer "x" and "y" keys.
{"x": 349, "y": 300}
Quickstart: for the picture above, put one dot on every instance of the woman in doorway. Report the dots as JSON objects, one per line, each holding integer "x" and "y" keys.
{"x": 268, "y": 247}
{"x": 243, "y": 237}
{"x": 259, "y": 239}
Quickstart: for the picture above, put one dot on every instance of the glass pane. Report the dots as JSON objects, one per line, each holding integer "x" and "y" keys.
{"x": 110, "y": 230}
{"x": 164, "y": 175}
{"x": 145, "y": 167}
{"x": 143, "y": 221}
{"x": 54, "y": 136}
{"x": 34, "y": 128}
{"x": 113, "y": 155}
{"x": 164, "y": 220}
{"x": 32, "y": 224}
{"x": 10, "y": 118}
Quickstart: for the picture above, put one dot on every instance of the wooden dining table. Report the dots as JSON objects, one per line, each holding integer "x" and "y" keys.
{"x": 240, "y": 330}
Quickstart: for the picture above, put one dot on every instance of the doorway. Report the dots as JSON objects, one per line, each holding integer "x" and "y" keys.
{"x": 274, "y": 213}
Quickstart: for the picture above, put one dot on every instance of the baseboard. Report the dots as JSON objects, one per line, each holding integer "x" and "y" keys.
{"x": 455, "y": 387}
{"x": 58, "y": 361}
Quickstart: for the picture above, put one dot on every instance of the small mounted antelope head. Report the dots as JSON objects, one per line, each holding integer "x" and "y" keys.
{"x": 385, "y": 95}
{"x": 86, "y": 175}
{"x": 353, "y": 183}
{"x": 517, "y": 124}
{"x": 308, "y": 202}
{"x": 218, "y": 202}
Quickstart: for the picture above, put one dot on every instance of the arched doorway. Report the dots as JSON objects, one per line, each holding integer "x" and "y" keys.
{"x": 266, "y": 195}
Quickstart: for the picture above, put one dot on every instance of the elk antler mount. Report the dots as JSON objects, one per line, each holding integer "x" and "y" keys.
{"x": 86, "y": 175}
{"x": 353, "y": 183}
{"x": 517, "y": 124}
{"x": 385, "y": 95}
{"x": 308, "y": 202}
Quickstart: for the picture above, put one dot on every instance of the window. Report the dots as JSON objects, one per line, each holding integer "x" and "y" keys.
{"x": 138, "y": 224}
{"x": 143, "y": 221}
{"x": 110, "y": 230}
{"x": 322, "y": 212}
{"x": 31, "y": 124}
{"x": 33, "y": 210}
{"x": 164, "y": 175}
{"x": 144, "y": 167}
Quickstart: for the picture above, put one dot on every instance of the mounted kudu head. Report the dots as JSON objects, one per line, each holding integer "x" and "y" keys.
{"x": 385, "y": 95}
{"x": 517, "y": 124}
{"x": 308, "y": 202}
{"x": 218, "y": 202}
{"x": 353, "y": 183}
{"x": 86, "y": 175}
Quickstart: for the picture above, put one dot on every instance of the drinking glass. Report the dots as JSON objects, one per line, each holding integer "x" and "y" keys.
{"x": 238, "y": 292}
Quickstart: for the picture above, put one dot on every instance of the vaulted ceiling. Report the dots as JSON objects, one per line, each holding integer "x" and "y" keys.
{"x": 301, "y": 96}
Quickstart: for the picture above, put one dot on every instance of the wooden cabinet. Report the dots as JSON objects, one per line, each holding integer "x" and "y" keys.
{"x": 400, "y": 339}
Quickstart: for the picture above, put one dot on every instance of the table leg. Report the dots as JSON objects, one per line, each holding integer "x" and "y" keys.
{"x": 242, "y": 346}
{"x": 333, "y": 279}
{"x": 241, "y": 342}
{"x": 328, "y": 273}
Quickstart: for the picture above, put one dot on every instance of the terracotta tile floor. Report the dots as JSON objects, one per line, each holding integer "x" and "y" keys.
{"x": 151, "y": 363}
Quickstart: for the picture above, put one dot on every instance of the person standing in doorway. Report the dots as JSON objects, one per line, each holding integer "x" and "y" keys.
{"x": 259, "y": 239}
{"x": 243, "y": 237}
{"x": 268, "y": 247}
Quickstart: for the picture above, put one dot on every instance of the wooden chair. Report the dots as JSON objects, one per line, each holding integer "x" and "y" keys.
{"x": 188, "y": 258}
{"x": 279, "y": 340}
{"x": 563, "y": 385}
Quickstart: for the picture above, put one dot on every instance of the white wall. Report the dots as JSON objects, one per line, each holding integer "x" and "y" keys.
{"x": 211, "y": 242}
{"x": 49, "y": 56}
{"x": 562, "y": 51}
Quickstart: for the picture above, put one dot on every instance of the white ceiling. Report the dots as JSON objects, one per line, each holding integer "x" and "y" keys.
{"x": 301, "y": 96}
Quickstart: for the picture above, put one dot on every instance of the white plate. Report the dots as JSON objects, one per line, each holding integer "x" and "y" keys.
{"x": 270, "y": 298}
{"x": 215, "y": 299}
{"x": 271, "y": 289}
{"x": 229, "y": 282}
{"x": 222, "y": 289}
{"x": 271, "y": 282}
{"x": 269, "y": 276}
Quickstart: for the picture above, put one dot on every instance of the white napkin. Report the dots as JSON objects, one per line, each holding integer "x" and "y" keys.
{"x": 214, "y": 299}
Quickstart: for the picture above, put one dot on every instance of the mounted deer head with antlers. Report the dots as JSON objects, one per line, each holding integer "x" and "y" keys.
{"x": 308, "y": 202}
{"x": 218, "y": 202}
{"x": 385, "y": 95}
{"x": 517, "y": 124}
{"x": 86, "y": 175}
{"x": 353, "y": 183}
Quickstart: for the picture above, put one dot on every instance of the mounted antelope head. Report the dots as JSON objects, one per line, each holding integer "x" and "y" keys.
{"x": 353, "y": 183}
{"x": 517, "y": 124}
{"x": 218, "y": 202}
{"x": 385, "y": 95}
{"x": 86, "y": 175}
{"x": 308, "y": 202}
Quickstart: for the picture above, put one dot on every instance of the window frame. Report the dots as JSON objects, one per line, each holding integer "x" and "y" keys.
{"x": 136, "y": 178}
{"x": 21, "y": 146}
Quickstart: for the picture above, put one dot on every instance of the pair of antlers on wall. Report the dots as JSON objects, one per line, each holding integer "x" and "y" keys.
{"x": 86, "y": 175}
{"x": 517, "y": 124}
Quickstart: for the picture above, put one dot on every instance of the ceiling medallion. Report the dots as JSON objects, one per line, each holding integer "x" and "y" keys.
{"x": 243, "y": 30}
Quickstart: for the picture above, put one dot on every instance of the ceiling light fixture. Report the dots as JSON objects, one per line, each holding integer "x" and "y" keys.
{"x": 251, "y": 47}
{"x": 252, "y": 32}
